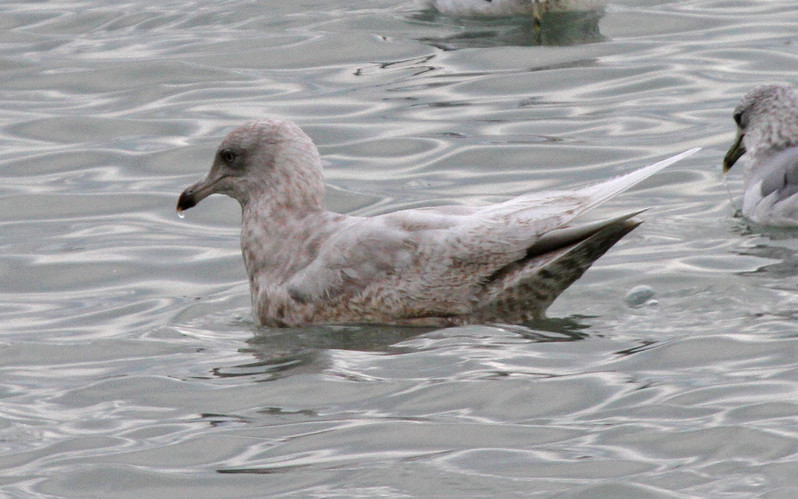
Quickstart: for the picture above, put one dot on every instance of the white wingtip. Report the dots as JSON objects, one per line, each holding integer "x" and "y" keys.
{"x": 673, "y": 159}
{"x": 605, "y": 190}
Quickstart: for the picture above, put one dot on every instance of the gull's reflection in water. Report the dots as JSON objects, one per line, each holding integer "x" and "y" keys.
{"x": 279, "y": 353}
{"x": 786, "y": 264}
{"x": 556, "y": 28}
{"x": 779, "y": 244}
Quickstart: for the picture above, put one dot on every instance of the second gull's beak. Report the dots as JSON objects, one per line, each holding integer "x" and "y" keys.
{"x": 735, "y": 151}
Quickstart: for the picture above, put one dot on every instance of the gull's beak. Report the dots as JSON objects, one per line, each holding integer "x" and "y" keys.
{"x": 196, "y": 193}
{"x": 737, "y": 149}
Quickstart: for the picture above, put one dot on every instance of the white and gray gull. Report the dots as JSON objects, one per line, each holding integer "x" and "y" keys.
{"x": 767, "y": 134}
{"x": 447, "y": 265}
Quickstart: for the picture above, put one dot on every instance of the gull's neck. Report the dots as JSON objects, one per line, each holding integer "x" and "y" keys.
{"x": 277, "y": 240}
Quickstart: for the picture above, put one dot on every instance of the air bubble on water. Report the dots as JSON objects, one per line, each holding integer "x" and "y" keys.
{"x": 640, "y": 295}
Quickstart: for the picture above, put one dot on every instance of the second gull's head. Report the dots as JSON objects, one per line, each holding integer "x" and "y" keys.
{"x": 767, "y": 121}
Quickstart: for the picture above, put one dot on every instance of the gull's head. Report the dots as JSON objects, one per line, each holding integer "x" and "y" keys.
{"x": 767, "y": 121}
{"x": 270, "y": 161}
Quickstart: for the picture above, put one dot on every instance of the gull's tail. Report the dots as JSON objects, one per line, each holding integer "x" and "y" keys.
{"x": 523, "y": 290}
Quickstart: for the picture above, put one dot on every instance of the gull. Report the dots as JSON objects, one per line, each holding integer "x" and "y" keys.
{"x": 767, "y": 134}
{"x": 502, "y": 8}
{"x": 437, "y": 266}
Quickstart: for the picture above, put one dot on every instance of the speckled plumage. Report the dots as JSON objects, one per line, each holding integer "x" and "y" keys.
{"x": 767, "y": 134}
{"x": 500, "y": 8}
{"x": 432, "y": 266}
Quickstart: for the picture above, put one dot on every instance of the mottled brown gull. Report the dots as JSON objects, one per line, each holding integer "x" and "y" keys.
{"x": 432, "y": 266}
{"x": 767, "y": 134}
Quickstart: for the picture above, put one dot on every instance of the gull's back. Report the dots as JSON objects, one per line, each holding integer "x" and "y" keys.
{"x": 450, "y": 265}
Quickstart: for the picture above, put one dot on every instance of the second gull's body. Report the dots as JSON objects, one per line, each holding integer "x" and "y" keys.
{"x": 767, "y": 134}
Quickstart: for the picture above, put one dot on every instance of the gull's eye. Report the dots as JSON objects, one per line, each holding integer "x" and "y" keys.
{"x": 228, "y": 156}
{"x": 738, "y": 118}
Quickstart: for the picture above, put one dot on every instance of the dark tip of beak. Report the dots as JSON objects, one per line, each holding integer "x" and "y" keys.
{"x": 735, "y": 152}
{"x": 186, "y": 201}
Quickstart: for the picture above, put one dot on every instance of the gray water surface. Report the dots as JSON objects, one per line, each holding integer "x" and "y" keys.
{"x": 130, "y": 365}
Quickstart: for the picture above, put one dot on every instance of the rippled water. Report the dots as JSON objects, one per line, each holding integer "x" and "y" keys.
{"x": 130, "y": 363}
